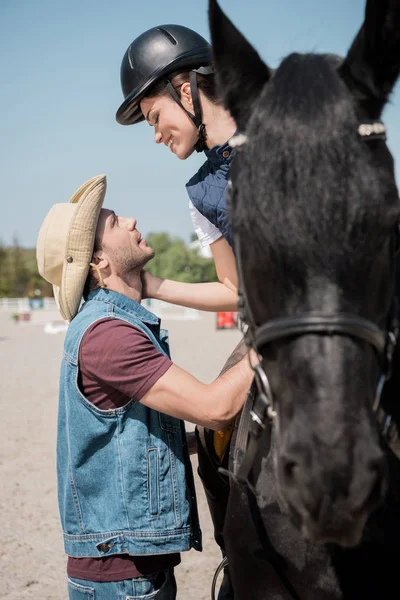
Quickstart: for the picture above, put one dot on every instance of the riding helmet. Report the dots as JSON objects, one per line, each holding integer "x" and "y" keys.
{"x": 154, "y": 55}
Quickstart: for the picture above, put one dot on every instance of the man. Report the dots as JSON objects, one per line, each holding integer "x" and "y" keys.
{"x": 125, "y": 485}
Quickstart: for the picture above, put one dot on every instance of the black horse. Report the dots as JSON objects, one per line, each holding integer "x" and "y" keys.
{"x": 314, "y": 209}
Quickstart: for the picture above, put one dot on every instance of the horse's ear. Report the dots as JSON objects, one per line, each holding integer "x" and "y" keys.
{"x": 241, "y": 74}
{"x": 372, "y": 65}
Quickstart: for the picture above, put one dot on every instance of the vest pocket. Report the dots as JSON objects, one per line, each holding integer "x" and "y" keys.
{"x": 168, "y": 423}
{"x": 153, "y": 479}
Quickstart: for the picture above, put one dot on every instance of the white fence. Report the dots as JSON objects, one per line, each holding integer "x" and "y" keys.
{"x": 164, "y": 310}
{"x": 161, "y": 309}
{"x": 22, "y": 305}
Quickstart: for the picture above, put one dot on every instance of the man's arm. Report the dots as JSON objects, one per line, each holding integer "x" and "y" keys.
{"x": 180, "y": 395}
{"x": 115, "y": 355}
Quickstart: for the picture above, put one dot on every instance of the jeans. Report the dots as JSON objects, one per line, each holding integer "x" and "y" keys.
{"x": 160, "y": 586}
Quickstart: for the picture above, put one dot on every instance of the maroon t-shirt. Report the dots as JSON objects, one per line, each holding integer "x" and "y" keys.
{"x": 118, "y": 362}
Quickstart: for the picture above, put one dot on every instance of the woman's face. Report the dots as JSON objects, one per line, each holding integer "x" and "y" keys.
{"x": 172, "y": 126}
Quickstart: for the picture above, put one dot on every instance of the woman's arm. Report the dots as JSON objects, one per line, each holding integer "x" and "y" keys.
{"x": 225, "y": 263}
{"x": 214, "y": 296}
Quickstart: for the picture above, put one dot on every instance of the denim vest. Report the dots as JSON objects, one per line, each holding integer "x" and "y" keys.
{"x": 207, "y": 189}
{"x": 125, "y": 483}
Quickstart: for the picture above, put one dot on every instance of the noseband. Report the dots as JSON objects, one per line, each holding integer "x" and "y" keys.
{"x": 260, "y": 409}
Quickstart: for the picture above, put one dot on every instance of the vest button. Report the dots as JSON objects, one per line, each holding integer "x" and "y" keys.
{"x": 70, "y": 259}
{"x": 226, "y": 154}
{"x": 104, "y": 547}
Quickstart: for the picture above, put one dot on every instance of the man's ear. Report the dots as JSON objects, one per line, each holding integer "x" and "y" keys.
{"x": 100, "y": 261}
{"x": 241, "y": 74}
{"x": 372, "y": 65}
{"x": 99, "y": 265}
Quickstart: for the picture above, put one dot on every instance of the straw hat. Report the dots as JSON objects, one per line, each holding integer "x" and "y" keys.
{"x": 65, "y": 244}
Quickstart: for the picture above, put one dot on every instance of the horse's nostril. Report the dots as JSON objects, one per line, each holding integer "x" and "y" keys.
{"x": 378, "y": 467}
{"x": 289, "y": 469}
{"x": 375, "y": 495}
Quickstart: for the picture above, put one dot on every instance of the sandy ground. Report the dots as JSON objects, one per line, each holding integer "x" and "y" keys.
{"x": 32, "y": 561}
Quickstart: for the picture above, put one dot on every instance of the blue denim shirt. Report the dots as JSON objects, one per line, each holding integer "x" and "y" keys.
{"x": 207, "y": 189}
{"x": 125, "y": 483}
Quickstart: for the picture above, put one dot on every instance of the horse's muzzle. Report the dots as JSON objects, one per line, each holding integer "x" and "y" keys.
{"x": 332, "y": 505}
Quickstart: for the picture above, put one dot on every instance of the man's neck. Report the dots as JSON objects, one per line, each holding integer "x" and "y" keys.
{"x": 130, "y": 287}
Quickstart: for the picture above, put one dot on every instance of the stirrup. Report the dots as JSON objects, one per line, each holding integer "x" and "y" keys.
{"x": 221, "y": 566}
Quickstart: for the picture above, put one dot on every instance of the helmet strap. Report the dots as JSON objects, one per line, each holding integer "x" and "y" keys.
{"x": 197, "y": 117}
{"x": 200, "y": 145}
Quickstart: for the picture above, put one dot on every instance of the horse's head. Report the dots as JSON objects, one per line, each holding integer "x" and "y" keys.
{"x": 314, "y": 205}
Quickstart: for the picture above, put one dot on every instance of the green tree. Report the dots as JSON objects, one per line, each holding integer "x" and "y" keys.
{"x": 20, "y": 274}
{"x": 4, "y": 271}
{"x": 174, "y": 260}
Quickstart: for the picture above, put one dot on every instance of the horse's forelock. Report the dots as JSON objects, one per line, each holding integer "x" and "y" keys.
{"x": 306, "y": 104}
{"x": 314, "y": 194}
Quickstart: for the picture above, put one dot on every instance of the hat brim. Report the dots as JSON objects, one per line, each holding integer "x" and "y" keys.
{"x": 80, "y": 242}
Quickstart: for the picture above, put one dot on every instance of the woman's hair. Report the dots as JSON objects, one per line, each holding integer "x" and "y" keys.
{"x": 205, "y": 83}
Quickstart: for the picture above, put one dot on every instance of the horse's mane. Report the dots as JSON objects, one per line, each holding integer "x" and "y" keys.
{"x": 319, "y": 202}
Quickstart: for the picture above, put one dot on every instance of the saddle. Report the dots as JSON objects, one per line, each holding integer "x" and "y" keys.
{"x": 217, "y": 443}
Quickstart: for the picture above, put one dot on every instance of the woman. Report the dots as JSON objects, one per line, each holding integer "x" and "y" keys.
{"x": 167, "y": 79}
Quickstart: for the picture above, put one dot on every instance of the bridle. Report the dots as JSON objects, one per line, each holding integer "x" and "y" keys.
{"x": 263, "y": 409}
{"x": 260, "y": 409}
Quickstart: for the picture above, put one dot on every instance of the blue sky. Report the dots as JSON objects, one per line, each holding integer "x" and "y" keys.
{"x": 60, "y": 90}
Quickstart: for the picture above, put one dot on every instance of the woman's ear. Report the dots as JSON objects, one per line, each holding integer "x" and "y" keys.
{"x": 186, "y": 95}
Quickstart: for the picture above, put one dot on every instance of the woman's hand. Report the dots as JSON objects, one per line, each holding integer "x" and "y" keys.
{"x": 150, "y": 284}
